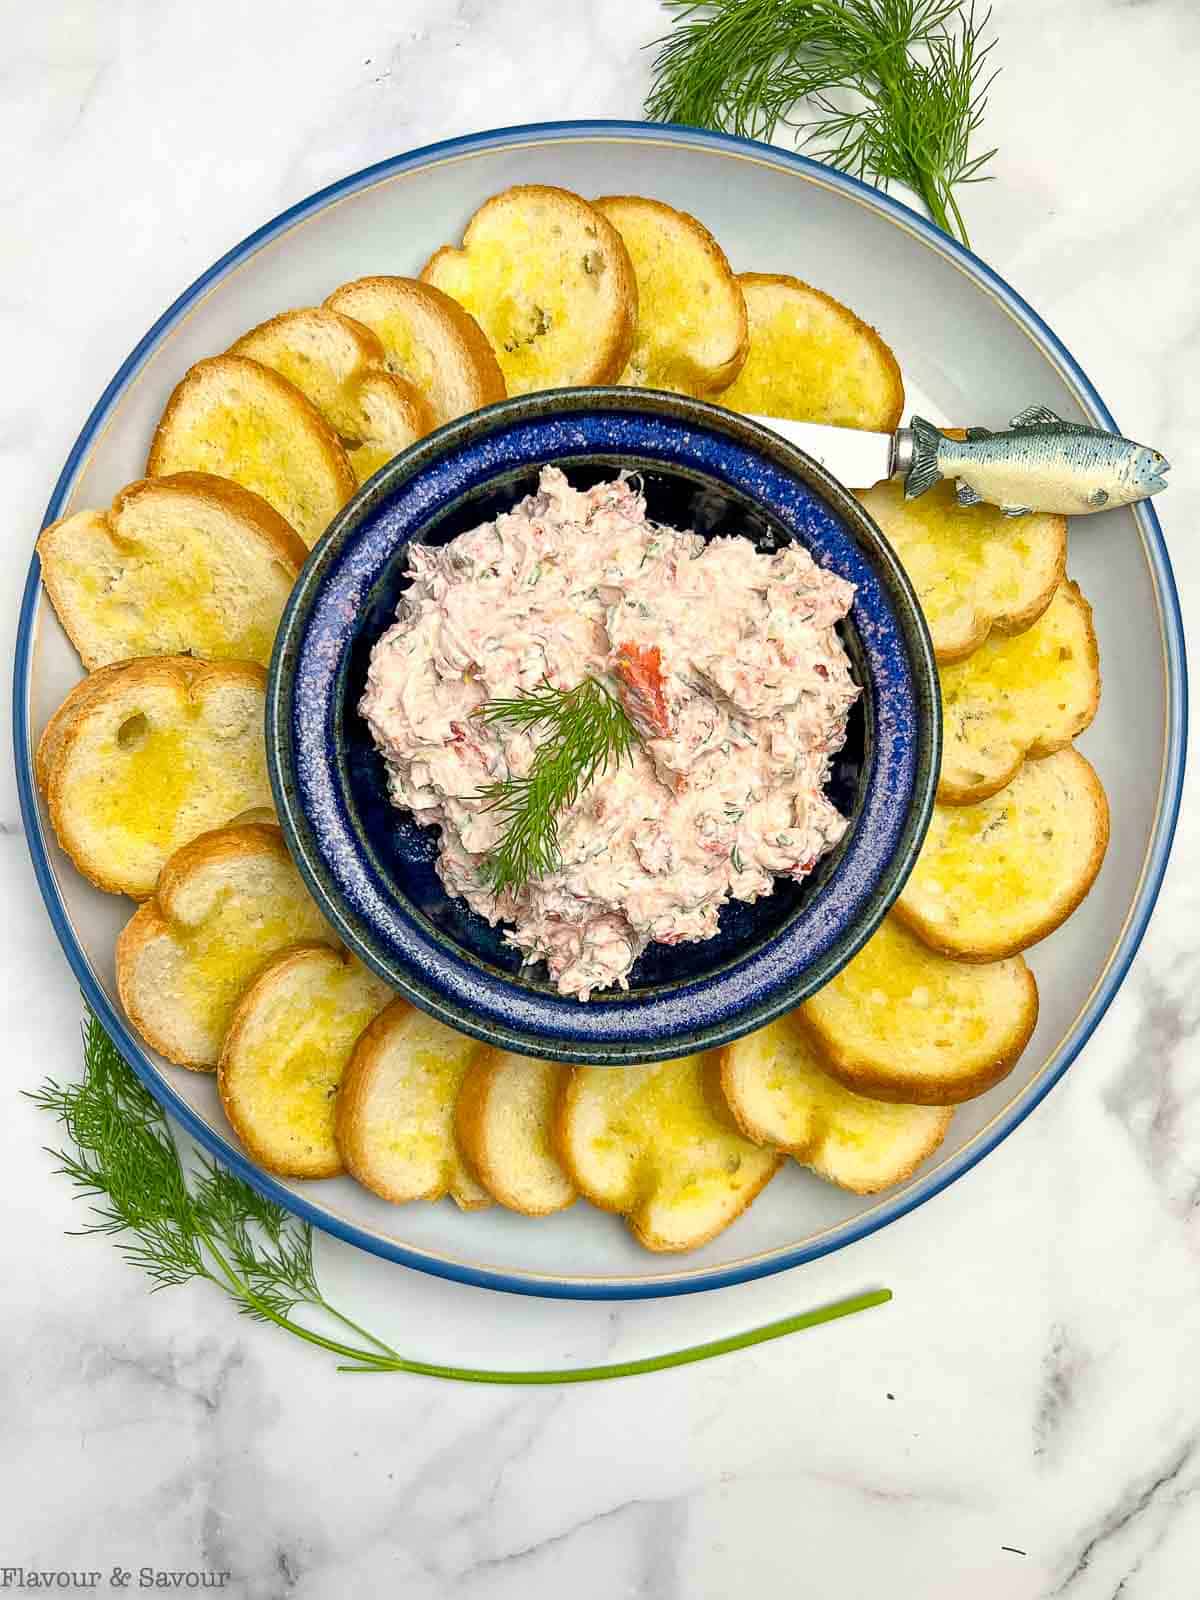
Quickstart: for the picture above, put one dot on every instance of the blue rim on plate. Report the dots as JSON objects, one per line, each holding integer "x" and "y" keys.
{"x": 686, "y": 1280}
{"x": 370, "y": 870}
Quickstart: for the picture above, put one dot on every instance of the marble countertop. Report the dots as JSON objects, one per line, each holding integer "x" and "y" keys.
{"x": 1024, "y": 1420}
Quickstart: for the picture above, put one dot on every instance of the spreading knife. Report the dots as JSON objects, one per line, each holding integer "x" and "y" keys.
{"x": 1039, "y": 463}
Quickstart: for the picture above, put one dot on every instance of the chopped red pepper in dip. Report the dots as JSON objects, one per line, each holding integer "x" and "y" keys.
{"x": 725, "y": 658}
{"x": 639, "y": 667}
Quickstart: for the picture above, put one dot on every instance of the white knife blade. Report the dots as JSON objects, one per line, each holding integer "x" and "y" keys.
{"x": 856, "y": 458}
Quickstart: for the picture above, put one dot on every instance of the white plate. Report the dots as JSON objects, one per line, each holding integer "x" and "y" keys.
{"x": 969, "y": 348}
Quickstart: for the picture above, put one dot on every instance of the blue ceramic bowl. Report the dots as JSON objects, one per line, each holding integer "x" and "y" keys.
{"x": 371, "y": 867}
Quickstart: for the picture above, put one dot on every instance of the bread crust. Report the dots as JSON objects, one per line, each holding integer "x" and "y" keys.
{"x": 705, "y": 381}
{"x": 613, "y": 349}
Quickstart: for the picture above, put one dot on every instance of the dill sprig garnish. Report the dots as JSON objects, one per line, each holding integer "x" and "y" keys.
{"x": 120, "y": 1154}
{"x": 586, "y": 730}
{"x": 887, "y": 90}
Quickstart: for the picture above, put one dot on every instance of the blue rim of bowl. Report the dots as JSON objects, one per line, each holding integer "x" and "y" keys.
{"x": 385, "y": 930}
{"x": 685, "y": 1281}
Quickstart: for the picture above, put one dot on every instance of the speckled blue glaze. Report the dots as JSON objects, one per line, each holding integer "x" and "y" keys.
{"x": 372, "y": 869}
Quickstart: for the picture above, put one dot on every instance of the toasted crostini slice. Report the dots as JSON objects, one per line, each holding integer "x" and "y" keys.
{"x": 223, "y": 906}
{"x": 428, "y": 340}
{"x": 976, "y": 571}
{"x": 780, "y": 1094}
{"x": 504, "y": 1120}
{"x": 1018, "y": 698}
{"x": 692, "y": 334}
{"x": 188, "y": 563}
{"x": 550, "y": 282}
{"x": 395, "y": 1120}
{"x": 994, "y": 878}
{"x": 238, "y": 419}
{"x": 288, "y": 1043}
{"x": 144, "y": 755}
{"x": 813, "y": 360}
{"x": 901, "y": 1022}
{"x": 647, "y": 1142}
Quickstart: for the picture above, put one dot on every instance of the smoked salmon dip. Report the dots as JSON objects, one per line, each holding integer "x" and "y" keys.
{"x": 727, "y": 661}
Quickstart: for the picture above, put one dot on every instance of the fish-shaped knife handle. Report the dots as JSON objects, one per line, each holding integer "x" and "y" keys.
{"x": 1041, "y": 463}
